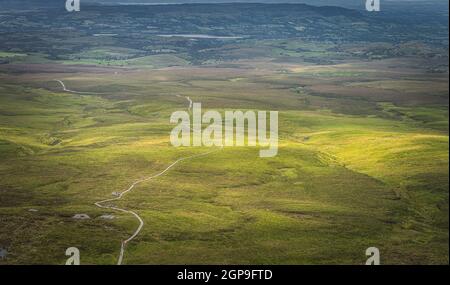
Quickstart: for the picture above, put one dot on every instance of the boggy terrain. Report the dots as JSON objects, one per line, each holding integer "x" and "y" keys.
{"x": 362, "y": 160}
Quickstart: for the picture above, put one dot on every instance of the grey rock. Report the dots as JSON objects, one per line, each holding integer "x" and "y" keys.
{"x": 107, "y": 217}
{"x": 81, "y": 217}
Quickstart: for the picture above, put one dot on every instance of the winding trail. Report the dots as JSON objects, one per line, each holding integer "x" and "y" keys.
{"x": 106, "y": 204}
{"x": 189, "y": 100}
{"x": 75, "y": 92}
{"x": 100, "y": 204}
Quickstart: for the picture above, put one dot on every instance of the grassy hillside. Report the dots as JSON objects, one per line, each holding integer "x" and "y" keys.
{"x": 363, "y": 124}
{"x": 343, "y": 181}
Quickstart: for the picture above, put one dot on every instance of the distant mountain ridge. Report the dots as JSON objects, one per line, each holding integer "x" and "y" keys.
{"x": 354, "y": 4}
{"x": 53, "y": 3}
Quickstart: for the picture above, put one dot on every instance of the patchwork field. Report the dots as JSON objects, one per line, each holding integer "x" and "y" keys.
{"x": 363, "y": 161}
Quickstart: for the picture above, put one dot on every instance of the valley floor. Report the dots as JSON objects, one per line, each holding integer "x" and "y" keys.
{"x": 363, "y": 162}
